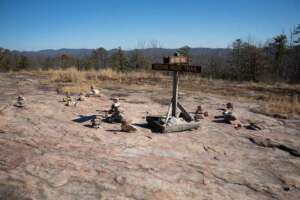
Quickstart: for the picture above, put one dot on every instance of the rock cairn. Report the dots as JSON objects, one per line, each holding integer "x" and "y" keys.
{"x": 20, "y": 102}
{"x": 127, "y": 127}
{"x": 200, "y": 114}
{"x": 230, "y": 117}
{"x": 114, "y": 114}
{"x": 96, "y": 122}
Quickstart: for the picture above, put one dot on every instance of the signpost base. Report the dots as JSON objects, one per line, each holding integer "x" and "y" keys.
{"x": 157, "y": 124}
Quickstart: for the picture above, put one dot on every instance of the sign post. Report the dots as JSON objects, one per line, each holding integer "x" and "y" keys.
{"x": 175, "y": 93}
{"x": 176, "y": 64}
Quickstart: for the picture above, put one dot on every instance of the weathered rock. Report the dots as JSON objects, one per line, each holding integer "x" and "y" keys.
{"x": 59, "y": 179}
{"x": 44, "y": 154}
{"x": 120, "y": 180}
{"x": 127, "y": 127}
{"x": 268, "y": 142}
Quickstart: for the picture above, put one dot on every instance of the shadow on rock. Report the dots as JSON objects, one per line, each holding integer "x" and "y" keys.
{"x": 83, "y": 118}
{"x": 142, "y": 125}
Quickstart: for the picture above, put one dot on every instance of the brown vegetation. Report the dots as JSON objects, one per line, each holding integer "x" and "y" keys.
{"x": 273, "y": 99}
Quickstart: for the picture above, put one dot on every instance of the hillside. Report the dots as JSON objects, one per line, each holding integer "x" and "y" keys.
{"x": 146, "y": 52}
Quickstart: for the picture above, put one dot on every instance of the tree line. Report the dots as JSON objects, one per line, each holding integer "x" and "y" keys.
{"x": 277, "y": 60}
{"x": 99, "y": 59}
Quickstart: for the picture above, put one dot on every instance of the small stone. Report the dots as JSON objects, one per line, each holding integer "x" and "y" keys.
{"x": 197, "y": 117}
{"x": 20, "y": 98}
{"x": 20, "y": 102}
{"x": 94, "y": 91}
{"x": 67, "y": 98}
{"x": 126, "y": 127}
{"x": 81, "y": 97}
{"x": 120, "y": 180}
{"x": 72, "y": 103}
{"x": 205, "y": 114}
{"x": 199, "y": 110}
{"x": 216, "y": 158}
{"x": 237, "y": 124}
{"x": 229, "y": 106}
{"x": 59, "y": 179}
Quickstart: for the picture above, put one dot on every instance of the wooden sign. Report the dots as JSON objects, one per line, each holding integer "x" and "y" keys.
{"x": 176, "y": 63}
{"x": 176, "y": 60}
{"x": 177, "y": 67}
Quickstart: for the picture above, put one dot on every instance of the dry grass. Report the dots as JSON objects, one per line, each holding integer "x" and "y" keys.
{"x": 75, "y": 76}
{"x": 74, "y": 81}
{"x": 282, "y": 107}
{"x": 273, "y": 99}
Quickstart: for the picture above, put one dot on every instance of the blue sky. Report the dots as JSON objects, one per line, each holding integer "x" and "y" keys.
{"x": 53, "y": 24}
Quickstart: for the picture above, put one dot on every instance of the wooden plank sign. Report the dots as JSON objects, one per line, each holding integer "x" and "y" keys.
{"x": 176, "y": 60}
{"x": 177, "y": 67}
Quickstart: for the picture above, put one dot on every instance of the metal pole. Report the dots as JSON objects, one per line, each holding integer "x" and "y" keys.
{"x": 175, "y": 93}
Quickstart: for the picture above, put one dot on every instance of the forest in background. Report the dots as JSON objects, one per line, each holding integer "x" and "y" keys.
{"x": 277, "y": 60}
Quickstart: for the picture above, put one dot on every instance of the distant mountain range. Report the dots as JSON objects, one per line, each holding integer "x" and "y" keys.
{"x": 146, "y": 52}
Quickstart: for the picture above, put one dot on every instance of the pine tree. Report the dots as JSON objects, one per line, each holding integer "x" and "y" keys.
{"x": 138, "y": 61}
{"x": 119, "y": 60}
{"x": 23, "y": 63}
{"x": 99, "y": 58}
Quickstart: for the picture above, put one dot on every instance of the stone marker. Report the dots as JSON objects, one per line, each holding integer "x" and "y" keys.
{"x": 115, "y": 115}
{"x": 205, "y": 114}
{"x": 199, "y": 110}
{"x": 81, "y": 97}
{"x": 96, "y": 122}
{"x": 94, "y": 91}
{"x": 199, "y": 114}
{"x": 20, "y": 102}
{"x": 127, "y": 127}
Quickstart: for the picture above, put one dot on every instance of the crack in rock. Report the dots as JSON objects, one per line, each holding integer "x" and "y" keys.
{"x": 267, "y": 142}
